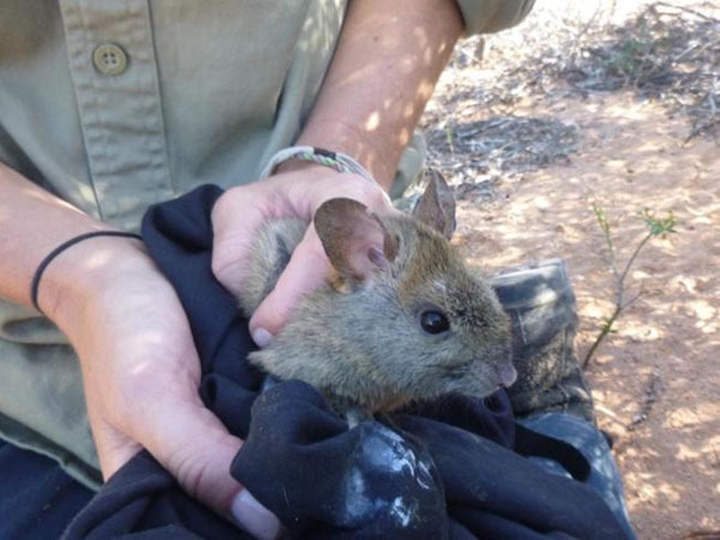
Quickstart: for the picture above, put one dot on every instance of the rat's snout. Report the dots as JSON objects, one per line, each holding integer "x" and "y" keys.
{"x": 506, "y": 374}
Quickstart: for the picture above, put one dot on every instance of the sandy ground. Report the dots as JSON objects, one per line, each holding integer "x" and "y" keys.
{"x": 664, "y": 360}
{"x": 669, "y": 338}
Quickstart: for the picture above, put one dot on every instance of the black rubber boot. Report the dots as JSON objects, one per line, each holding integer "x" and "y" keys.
{"x": 541, "y": 304}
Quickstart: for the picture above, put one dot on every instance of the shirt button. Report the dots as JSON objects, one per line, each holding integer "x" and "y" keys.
{"x": 110, "y": 59}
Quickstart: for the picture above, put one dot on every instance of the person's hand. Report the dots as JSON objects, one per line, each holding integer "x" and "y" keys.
{"x": 239, "y": 212}
{"x": 141, "y": 374}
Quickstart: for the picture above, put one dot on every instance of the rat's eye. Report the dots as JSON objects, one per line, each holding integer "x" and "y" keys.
{"x": 434, "y": 322}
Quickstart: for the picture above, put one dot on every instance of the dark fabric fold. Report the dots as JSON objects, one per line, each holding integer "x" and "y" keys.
{"x": 365, "y": 482}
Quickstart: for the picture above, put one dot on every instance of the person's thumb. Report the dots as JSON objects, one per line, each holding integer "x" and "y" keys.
{"x": 194, "y": 446}
{"x": 307, "y": 270}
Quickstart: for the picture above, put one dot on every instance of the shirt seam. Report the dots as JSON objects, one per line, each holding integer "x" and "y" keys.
{"x": 158, "y": 90}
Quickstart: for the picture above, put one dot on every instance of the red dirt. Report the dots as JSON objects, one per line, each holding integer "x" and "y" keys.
{"x": 667, "y": 344}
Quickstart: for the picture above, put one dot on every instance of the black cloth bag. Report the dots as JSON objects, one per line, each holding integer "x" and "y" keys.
{"x": 444, "y": 470}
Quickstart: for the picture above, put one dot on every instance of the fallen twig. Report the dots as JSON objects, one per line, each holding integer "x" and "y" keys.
{"x": 701, "y": 128}
{"x": 651, "y": 394}
{"x": 703, "y": 535}
{"x": 688, "y": 10}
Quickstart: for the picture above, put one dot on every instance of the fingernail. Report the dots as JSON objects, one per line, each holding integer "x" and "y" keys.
{"x": 262, "y": 337}
{"x": 254, "y": 517}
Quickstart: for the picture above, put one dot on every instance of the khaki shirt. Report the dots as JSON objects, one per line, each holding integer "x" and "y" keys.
{"x": 117, "y": 105}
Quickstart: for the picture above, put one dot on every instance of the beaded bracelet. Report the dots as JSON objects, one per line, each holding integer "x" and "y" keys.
{"x": 335, "y": 160}
{"x": 35, "y": 284}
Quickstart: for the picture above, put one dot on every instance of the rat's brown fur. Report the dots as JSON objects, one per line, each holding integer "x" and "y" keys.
{"x": 363, "y": 345}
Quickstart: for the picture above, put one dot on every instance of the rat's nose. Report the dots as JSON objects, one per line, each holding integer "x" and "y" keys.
{"x": 506, "y": 374}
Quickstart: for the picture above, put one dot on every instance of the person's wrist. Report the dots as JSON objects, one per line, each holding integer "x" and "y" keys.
{"x": 83, "y": 273}
{"x": 377, "y": 156}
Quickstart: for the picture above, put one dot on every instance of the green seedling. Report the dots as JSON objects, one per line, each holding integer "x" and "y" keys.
{"x": 657, "y": 227}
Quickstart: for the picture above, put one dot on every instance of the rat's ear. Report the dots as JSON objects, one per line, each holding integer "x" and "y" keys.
{"x": 355, "y": 240}
{"x": 436, "y": 207}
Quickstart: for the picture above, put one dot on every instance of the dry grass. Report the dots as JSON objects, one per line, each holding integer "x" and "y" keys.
{"x": 666, "y": 53}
